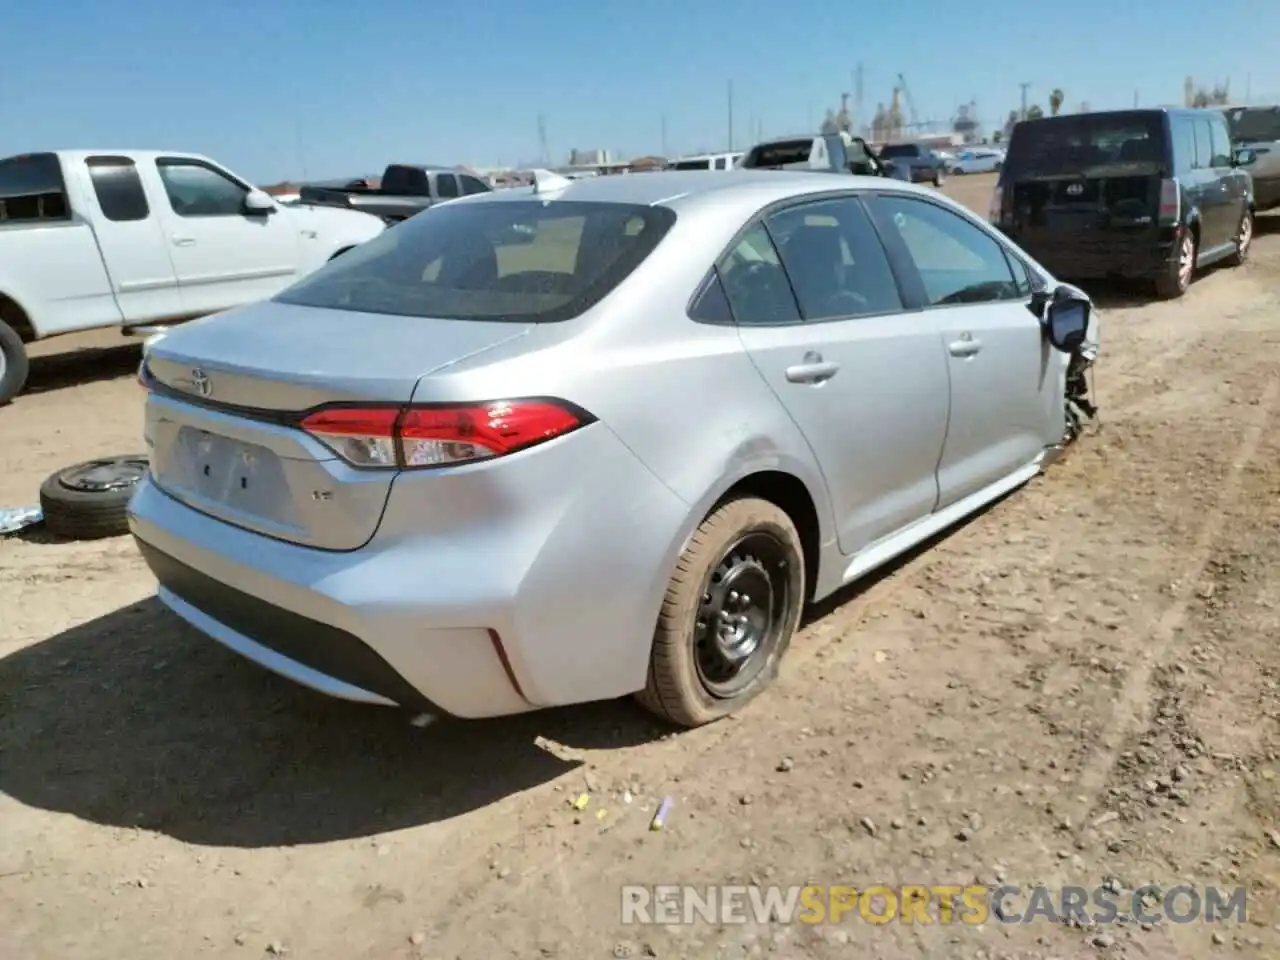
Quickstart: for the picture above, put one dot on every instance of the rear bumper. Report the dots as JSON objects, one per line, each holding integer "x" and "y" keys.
{"x": 1137, "y": 256}
{"x": 542, "y": 608}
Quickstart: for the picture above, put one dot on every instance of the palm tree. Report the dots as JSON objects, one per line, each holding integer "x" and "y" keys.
{"x": 1055, "y": 100}
{"x": 1034, "y": 112}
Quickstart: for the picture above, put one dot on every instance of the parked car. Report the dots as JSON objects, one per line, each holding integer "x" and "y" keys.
{"x": 1146, "y": 194}
{"x": 978, "y": 160}
{"x": 825, "y": 153}
{"x": 404, "y": 190}
{"x": 143, "y": 238}
{"x": 707, "y": 161}
{"x": 476, "y": 470}
{"x": 1257, "y": 129}
{"x": 922, "y": 165}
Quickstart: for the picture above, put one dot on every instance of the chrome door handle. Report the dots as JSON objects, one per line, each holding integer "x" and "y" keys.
{"x": 816, "y": 372}
{"x": 964, "y": 347}
{"x": 184, "y": 241}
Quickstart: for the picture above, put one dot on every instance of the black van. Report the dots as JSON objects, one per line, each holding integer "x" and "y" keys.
{"x": 1150, "y": 194}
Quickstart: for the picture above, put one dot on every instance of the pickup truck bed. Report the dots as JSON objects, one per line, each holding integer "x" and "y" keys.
{"x": 405, "y": 190}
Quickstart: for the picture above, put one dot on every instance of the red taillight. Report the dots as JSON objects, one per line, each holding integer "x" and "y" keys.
{"x": 1170, "y": 202}
{"x": 429, "y": 436}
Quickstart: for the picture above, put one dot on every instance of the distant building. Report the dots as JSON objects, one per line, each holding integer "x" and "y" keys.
{"x": 589, "y": 158}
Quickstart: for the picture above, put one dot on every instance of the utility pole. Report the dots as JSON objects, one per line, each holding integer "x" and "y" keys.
{"x": 1135, "y": 99}
{"x": 730, "y": 116}
{"x": 1025, "y": 86}
{"x": 664, "y": 136}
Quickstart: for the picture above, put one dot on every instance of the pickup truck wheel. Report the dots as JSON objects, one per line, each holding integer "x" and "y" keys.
{"x": 731, "y": 606}
{"x": 90, "y": 500}
{"x": 13, "y": 363}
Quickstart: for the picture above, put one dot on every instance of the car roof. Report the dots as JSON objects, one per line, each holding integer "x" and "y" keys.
{"x": 688, "y": 189}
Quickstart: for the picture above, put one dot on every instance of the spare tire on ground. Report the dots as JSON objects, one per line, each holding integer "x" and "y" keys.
{"x": 91, "y": 500}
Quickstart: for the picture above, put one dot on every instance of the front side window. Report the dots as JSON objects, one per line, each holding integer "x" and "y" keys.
{"x": 472, "y": 185}
{"x": 118, "y": 188}
{"x": 756, "y": 283}
{"x": 446, "y": 186}
{"x": 958, "y": 262}
{"x": 834, "y": 259}
{"x": 511, "y": 260}
{"x": 196, "y": 190}
{"x": 1219, "y": 142}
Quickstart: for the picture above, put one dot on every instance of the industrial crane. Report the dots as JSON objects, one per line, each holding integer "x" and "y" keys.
{"x": 911, "y": 104}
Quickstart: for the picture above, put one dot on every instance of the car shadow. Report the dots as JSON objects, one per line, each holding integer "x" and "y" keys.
{"x": 57, "y": 371}
{"x": 135, "y": 720}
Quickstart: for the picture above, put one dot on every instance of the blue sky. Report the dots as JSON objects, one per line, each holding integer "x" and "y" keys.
{"x": 283, "y": 88}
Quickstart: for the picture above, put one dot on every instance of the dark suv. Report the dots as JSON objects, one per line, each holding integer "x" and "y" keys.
{"x": 1151, "y": 194}
{"x": 921, "y": 165}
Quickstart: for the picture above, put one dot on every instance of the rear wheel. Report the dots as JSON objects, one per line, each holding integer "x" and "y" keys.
{"x": 13, "y": 363}
{"x": 729, "y": 612}
{"x": 1177, "y": 275}
{"x": 1244, "y": 240}
{"x": 938, "y": 178}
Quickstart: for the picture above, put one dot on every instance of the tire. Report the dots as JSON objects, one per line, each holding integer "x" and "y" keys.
{"x": 1244, "y": 241}
{"x": 748, "y": 542}
{"x": 14, "y": 365}
{"x": 939, "y": 179}
{"x": 88, "y": 501}
{"x": 1175, "y": 281}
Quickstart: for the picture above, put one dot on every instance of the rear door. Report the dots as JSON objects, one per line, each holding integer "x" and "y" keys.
{"x": 821, "y": 315}
{"x": 1085, "y": 180}
{"x": 223, "y": 257}
{"x": 1006, "y": 381}
{"x": 133, "y": 242}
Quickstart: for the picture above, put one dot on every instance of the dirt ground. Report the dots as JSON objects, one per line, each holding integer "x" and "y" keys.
{"x": 1079, "y": 686}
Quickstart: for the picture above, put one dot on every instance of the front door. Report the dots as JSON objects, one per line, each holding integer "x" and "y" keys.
{"x": 1007, "y": 382}
{"x": 133, "y": 243}
{"x": 1214, "y": 196}
{"x": 820, "y": 313}
{"x": 224, "y": 256}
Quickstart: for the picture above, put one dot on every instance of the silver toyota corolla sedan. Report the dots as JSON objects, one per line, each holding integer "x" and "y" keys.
{"x": 533, "y": 448}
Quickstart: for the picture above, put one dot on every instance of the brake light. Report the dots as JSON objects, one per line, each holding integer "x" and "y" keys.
{"x": 396, "y": 437}
{"x": 1170, "y": 202}
{"x": 996, "y": 209}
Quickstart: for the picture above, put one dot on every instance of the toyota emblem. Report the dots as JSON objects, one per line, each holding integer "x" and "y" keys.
{"x": 1075, "y": 189}
{"x": 200, "y": 380}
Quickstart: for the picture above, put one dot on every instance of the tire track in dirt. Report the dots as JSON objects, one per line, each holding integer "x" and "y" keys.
{"x": 1135, "y": 696}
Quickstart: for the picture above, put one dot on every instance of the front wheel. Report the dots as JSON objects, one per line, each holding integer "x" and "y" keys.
{"x": 1243, "y": 240}
{"x": 728, "y": 615}
{"x": 14, "y": 365}
{"x": 938, "y": 178}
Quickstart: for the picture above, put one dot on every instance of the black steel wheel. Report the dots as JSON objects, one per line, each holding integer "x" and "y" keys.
{"x": 729, "y": 612}
{"x": 90, "y": 500}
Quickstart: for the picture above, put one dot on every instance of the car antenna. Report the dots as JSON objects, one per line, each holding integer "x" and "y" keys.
{"x": 544, "y": 181}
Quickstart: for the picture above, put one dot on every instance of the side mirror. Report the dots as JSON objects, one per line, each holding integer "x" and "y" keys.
{"x": 1066, "y": 321}
{"x": 258, "y": 204}
{"x": 1243, "y": 157}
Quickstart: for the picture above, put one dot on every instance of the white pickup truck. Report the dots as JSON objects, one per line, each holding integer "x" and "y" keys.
{"x": 140, "y": 238}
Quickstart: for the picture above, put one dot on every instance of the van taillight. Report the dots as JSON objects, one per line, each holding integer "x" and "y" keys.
{"x": 995, "y": 212}
{"x": 1170, "y": 202}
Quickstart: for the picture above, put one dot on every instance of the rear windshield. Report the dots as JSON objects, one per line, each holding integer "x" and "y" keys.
{"x": 31, "y": 189}
{"x": 779, "y": 154}
{"x": 519, "y": 260}
{"x": 900, "y": 150}
{"x": 704, "y": 164}
{"x": 1087, "y": 143}
{"x": 1253, "y": 124}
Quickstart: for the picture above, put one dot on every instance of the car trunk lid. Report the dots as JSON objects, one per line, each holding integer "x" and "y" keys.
{"x": 227, "y": 394}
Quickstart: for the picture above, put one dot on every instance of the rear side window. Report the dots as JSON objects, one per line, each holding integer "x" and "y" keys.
{"x": 31, "y": 189}
{"x": 691, "y": 165}
{"x": 118, "y": 188}
{"x": 1085, "y": 142}
{"x": 756, "y": 283}
{"x": 958, "y": 262}
{"x": 507, "y": 260}
{"x": 446, "y": 185}
{"x": 834, "y": 260}
{"x": 1184, "y": 145}
{"x": 1204, "y": 143}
